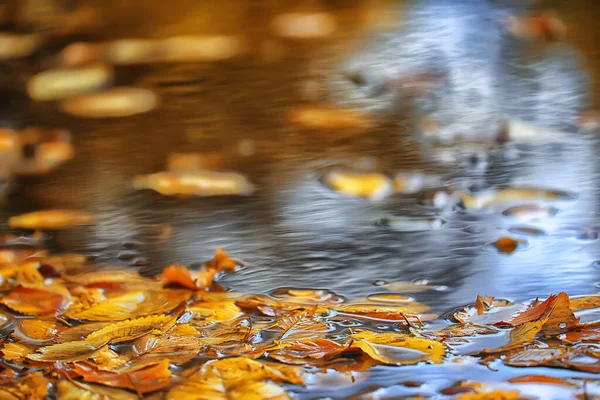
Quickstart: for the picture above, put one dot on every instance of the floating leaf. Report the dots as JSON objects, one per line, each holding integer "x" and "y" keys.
{"x": 144, "y": 380}
{"x": 67, "y": 352}
{"x": 229, "y": 378}
{"x": 38, "y": 330}
{"x": 301, "y": 321}
{"x": 582, "y": 303}
{"x": 51, "y": 219}
{"x": 109, "y": 277}
{"x": 33, "y": 301}
{"x": 371, "y": 185}
{"x": 560, "y": 318}
{"x": 176, "y": 349}
{"x": 69, "y": 391}
{"x": 395, "y": 348}
{"x": 132, "y": 329}
{"x": 221, "y": 262}
{"x": 298, "y": 351}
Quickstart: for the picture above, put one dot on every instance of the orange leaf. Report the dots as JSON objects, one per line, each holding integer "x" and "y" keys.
{"x": 556, "y": 307}
{"x": 33, "y": 301}
{"x": 221, "y": 262}
{"x": 299, "y": 351}
{"x": 144, "y": 380}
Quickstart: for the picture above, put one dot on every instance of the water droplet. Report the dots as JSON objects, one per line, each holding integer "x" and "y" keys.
{"x": 421, "y": 282}
{"x": 382, "y": 327}
{"x": 379, "y": 282}
{"x": 440, "y": 288}
{"x": 562, "y": 325}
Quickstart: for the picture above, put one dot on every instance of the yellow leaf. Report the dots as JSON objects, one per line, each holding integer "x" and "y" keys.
{"x": 68, "y": 391}
{"x": 108, "y": 360}
{"x": 233, "y": 378}
{"x": 66, "y": 352}
{"x": 176, "y": 349}
{"x": 15, "y": 351}
{"x": 185, "y": 330}
{"x": 51, "y": 219}
{"x": 371, "y": 185}
{"x": 31, "y": 387}
{"x": 395, "y": 348}
{"x": 216, "y": 311}
{"x": 492, "y": 395}
{"x": 132, "y": 329}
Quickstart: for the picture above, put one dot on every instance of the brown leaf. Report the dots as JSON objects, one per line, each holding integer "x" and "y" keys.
{"x": 483, "y": 304}
{"x": 299, "y": 351}
{"x": 582, "y": 303}
{"x": 556, "y": 308}
{"x": 302, "y": 321}
{"x": 67, "y": 352}
{"x": 176, "y": 349}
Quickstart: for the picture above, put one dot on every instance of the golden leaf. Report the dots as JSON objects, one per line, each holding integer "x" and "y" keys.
{"x": 395, "y": 348}
{"x": 31, "y": 387}
{"x": 229, "y": 378}
{"x": 69, "y": 391}
{"x": 492, "y": 395}
{"x": 67, "y": 352}
{"x": 119, "y": 278}
{"x": 51, "y": 219}
{"x": 176, "y": 349}
{"x": 304, "y": 321}
{"x": 184, "y": 330}
{"x": 15, "y": 351}
{"x": 79, "y": 332}
{"x": 34, "y": 301}
{"x": 108, "y": 360}
{"x": 40, "y": 330}
{"x": 132, "y": 329}
{"x": 216, "y": 311}
{"x": 582, "y": 303}
{"x": 370, "y": 185}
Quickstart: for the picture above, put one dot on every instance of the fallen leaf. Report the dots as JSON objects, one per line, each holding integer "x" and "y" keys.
{"x": 369, "y": 185}
{"x": 34, "y": 301}
{"x": 15, "y": 352}
{"x": 303, "y": 321}
{"x": 77, "y": 391}
{"x": 396, "y": 348}
{"x": 176, "y": 349}
{"x": 132, "y": 329}
{"x": 582, "y": 303}
{"x": 37, "y": 329}
{"x": 31, "y": 387}
{"x": 143, "y": 380}
{"x": 51, "y": 219}
{"x": 229, "y": 378}
{"x": 492, "y": 395}
{"x": 298, "y": 351}
{"x": 483, "y": 304}
{"x": 67, "y": 352}
{"x": 556, "y": 307}
{"x": 326, "y": 117}
{"x": 107, "y": 360}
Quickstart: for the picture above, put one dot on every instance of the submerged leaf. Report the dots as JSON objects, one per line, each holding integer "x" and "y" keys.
{"x": 176, "y": 349}
{"x": 305, "y": 350}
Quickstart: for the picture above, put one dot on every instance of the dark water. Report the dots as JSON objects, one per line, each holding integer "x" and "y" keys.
{"x": 294, "y": 232}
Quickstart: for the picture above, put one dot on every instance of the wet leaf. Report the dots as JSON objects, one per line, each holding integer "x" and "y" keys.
{"x": 51, "y": 219}
{"x": 492, "y": 395}
{"x": 109, "y": 277}
{"x": 38, "y": 330}
{"x": 67, "y": 352}
{"x": 144, "y": 380}
{"x": 325, "y": 117}
{"x": 506, "y": 245}
{"x": 582, "y": 303}
{"x": 199, "y": 183}
{"x": 106, "y": 359}
{"x": 226, "y": 379}
{"x": 371, "y": 185}
{"x": 560, "y": 318}
{"x": 216, "y": 311}
{"x": 34, "y": 301}
{"x": 176, "y": 349}
{"x": 15, "y": 352}
{"x": 32, "y": 387}
{"x": 81, "y": 391}
{"x": 395, "y": 348}
{"x": 132, "y": 329}
{"x": 298, "y": 351}
{"x": 301, "y": 321}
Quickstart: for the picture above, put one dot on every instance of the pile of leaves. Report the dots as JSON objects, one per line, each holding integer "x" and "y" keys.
{"x": 74, "y": 331}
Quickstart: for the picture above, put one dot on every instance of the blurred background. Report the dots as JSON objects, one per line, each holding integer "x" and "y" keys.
{"x": 294, "y": 231}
